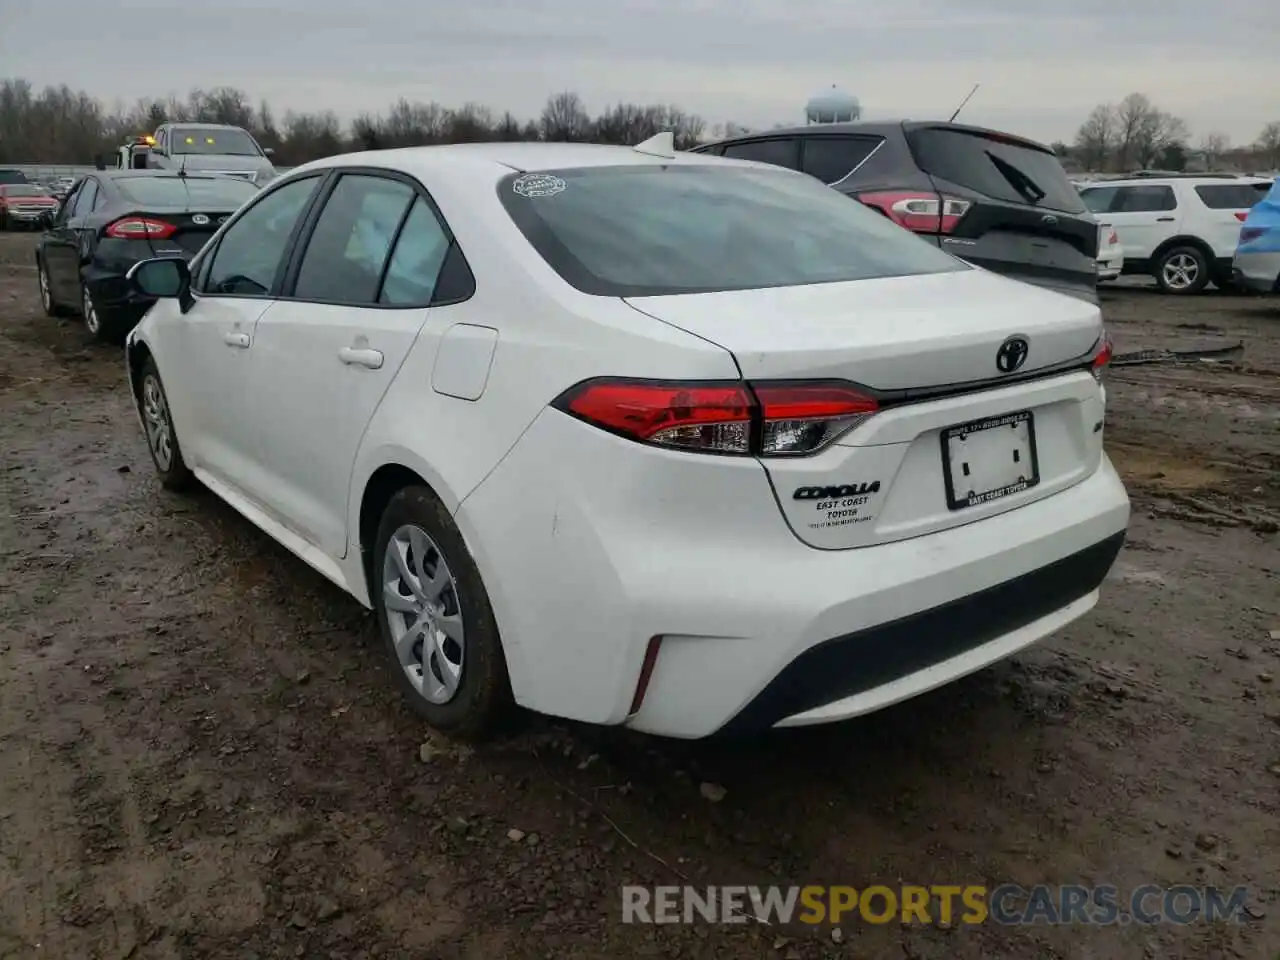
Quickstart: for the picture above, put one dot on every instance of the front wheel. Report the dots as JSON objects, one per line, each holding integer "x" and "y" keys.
{"x": 435, "y": 618}
{"x": 162, "y": 438}
{"x": 1182, "y": 270}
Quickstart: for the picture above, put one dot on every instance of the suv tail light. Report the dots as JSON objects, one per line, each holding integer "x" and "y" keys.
{"x": 141, "y": 228}
{"x": 1101, "y": 358}
{"x": 919, "y": 211}
{"x": 1242, "y": 215}
{"x": 729, "y": 417}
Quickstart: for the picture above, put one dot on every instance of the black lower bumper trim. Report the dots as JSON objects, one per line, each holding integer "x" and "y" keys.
{"x": 862, "y": 661}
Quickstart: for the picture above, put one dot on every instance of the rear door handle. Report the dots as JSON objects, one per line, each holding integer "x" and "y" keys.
{"x": 1164, "y": 219}
{"x": 361, "y": 357}
{"x": 236, "y": 339}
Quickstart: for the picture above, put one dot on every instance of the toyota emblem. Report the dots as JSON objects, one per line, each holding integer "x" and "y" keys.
{"x": 1012, "y": 354}
{"x": 199, "y": 219}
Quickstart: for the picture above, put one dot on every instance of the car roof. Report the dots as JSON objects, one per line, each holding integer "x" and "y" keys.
{"x": 199, "y": 125}
{"x": 1191, "y": 179}
{"x": 879, "y": 128}
{"x": 515, "y": 157}
{"x": 118, "y": 173}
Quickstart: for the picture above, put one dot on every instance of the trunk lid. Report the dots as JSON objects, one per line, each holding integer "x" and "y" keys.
{"x": 928, "y": 346}
{"x": 1025, "y": 218}
{"x": 193, "y": 228}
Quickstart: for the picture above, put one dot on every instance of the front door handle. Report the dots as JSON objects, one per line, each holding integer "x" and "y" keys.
{"x": 361, "y": 357}
{"x": 1164, "y": 219}
{"x": 236, "y": 339}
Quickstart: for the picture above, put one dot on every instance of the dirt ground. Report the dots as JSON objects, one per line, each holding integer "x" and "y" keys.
{"x": 201, "y": 755}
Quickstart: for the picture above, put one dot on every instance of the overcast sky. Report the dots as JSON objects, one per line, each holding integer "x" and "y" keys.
{"x": 1042, "y": 65}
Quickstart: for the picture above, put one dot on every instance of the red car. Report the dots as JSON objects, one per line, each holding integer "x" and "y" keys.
{"x": 25, "y": 204}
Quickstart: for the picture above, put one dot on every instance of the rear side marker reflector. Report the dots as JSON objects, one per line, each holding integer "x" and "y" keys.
{"x": 766, "y": 419}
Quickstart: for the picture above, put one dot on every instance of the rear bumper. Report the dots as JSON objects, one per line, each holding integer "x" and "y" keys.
{"x": 1257, "y": 272}
{"x": 585, "y": 566}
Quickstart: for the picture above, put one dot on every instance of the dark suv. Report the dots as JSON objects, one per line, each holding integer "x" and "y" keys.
{"x": 997, "y": 201}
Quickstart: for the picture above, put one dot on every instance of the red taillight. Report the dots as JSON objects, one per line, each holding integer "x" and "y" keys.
{"x": 1101, "y": 358}
{"x": 1249, "y": 234}
{"x": 1115, "y": 239}
{"x": 1242, "y": 215}
{"x": 919, "y": 211}
{"x": 763, "y": 419}
{"x": 141, "y": 228}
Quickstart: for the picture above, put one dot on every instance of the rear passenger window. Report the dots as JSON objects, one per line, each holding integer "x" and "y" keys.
{"x": 415, "y": 264}
{"x": 1232, "y": 196}
{"x": 349, "y": 246}
{"x": 1098, "y": 199}
{"x": 831, "y": 159}
{"x": 779, "y": 152}
{"x": 1145, "y": 199}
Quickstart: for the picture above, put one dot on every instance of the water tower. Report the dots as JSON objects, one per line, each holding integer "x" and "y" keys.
{"x": 832, "y": 106}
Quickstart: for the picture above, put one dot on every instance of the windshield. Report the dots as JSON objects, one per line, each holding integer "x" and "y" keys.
{"x": 222, "y": 193}
{"x": 657, "y": 230}
{"x": 23, "y": 190}
{"x": 227, "y": 141}
{"x": 996, "y": 167}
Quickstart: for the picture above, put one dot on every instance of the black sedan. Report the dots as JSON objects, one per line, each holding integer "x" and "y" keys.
{"x": 109, "y": 221}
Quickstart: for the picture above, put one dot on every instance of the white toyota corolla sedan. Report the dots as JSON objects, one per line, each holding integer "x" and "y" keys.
{"x": 637, "y": 437}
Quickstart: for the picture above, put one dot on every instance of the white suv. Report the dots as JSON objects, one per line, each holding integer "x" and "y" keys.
{"x": 1182, "y": 230}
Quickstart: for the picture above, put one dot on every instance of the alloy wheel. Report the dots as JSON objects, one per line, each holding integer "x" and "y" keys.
{"x": 420, "y": 599}
{"x": 89, "y": 311}
{"x": 46, "y": 296}
{"x": 155, "y": 413}
{"x": 1180, "y": 271}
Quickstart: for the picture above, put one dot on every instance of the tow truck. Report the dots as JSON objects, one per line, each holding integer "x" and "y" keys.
{"x": 132, "y": 155}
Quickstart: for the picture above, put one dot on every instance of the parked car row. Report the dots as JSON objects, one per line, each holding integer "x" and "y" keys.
{"x": 666, "y": 440}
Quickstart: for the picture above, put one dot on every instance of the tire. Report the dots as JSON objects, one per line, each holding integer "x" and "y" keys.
{"x": 1182, "y": 270}
{"x": 162, "y": 438}
{"x": 106, "y": 325}
{"x": 49, "y": 305}
{"x": 462, "y": 688}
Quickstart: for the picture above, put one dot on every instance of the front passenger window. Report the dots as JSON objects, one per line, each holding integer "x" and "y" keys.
{"x": 251, "y": 251}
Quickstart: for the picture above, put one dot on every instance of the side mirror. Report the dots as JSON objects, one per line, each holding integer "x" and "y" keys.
{"x": 161, "y": 277}
{"x": 269, "y": 151}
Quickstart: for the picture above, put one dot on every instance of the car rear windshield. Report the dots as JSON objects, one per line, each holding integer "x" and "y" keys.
{"x": 22, "y": 190}
{"x": 227, "y": 142}
{"x": 995, "y": 167}
{"x": 222, "y": 193}
{"x": 1232, "y": 196}
{"x": 683, "y": 228}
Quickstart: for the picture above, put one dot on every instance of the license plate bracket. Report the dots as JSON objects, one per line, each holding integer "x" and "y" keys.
{"x": 989, "y": 459}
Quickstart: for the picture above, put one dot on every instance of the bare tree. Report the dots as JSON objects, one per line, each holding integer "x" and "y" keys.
{"x": 1268, "y": 145}
{"x": 1097, "y": 138}
{"x": 565, "y": 118}
{"x": 1212, "y": 147}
